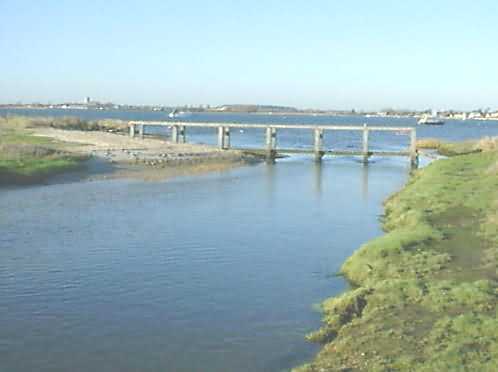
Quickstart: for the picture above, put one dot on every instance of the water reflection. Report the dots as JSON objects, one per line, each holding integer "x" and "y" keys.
{"x": 317, "y": 178}
{"x": 270, "y": 174}
{"x": 364, "y": 181}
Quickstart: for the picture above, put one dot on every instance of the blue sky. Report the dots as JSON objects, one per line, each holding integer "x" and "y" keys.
{"x": 324, "y": 54}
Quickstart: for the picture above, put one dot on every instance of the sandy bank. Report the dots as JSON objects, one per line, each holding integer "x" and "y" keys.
{"x": 120, "y": 148}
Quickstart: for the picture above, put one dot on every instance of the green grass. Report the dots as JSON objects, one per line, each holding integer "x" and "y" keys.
{"x": 25, "y": 158}
{"x": 34, "y": 166}
{"x": 18, "y": 133}
{"x": 425, "y": 294}
{"x": 34, "y": 170}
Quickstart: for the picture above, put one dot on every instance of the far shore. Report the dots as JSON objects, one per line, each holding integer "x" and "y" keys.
{"x": 456, "y": 115}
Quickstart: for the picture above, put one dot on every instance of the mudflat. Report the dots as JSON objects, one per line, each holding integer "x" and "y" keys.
{"x": 35, "y": 149}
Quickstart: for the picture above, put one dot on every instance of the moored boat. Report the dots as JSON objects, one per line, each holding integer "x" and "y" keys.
{"x": 430, "y": 120}
{"x": 175, "y": 114}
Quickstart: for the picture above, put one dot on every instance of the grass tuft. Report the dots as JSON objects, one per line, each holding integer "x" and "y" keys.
{"x": 25, "y": 158}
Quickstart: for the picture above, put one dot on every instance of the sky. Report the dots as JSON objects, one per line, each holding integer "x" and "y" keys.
{"x": 328, "y": 54}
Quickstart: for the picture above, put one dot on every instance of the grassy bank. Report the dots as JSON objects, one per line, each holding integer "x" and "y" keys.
{"x": 425, "y": 294}
{"x": 25, "y": 158}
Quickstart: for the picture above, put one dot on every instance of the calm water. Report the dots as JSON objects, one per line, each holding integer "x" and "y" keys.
{"x": 208, "y": 273}
{"x": 453, "y": 130}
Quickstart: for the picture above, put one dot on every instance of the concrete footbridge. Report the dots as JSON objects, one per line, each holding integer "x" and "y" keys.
{"x": 270, "y": 148}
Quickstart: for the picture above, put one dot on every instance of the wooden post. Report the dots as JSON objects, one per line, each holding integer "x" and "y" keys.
{"x": 413, "y": 148}
{"x": 174, "y": 134}
{"x": 226, "y": 138}
{"x": 141, "y": 131}
{"x": 271, "y": 143}
{"x": 183, "y": 134}
{"x": 318, "y": 144}
{"x": 132, "y": 130}
{"x": 365, "y": 144}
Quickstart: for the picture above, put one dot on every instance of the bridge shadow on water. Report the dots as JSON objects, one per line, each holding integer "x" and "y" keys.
{"x": 318, "y": 175}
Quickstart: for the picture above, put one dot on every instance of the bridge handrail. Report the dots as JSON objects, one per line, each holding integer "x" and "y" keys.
{"x": 275, "y": 126}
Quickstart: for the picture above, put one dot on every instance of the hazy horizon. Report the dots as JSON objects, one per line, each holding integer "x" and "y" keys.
{"x": 327, "y": 55}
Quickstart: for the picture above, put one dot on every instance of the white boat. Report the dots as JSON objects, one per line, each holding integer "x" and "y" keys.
{"x": 430, "y": 120}
{"x": 175, "y": 114}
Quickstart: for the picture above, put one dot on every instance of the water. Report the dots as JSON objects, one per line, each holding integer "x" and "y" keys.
{"x": 208, "y": 273}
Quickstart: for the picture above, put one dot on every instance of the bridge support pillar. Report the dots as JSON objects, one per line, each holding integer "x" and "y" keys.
{"x": 271, "y": 144}
{"x": 174, "y": 134}
{"x": 221, "y": 134}
{"x": 141, "y": 131}
{"x": 223, "y": 138}
{"x": 365, "y": 144}
{"x": 318, "y": 136}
